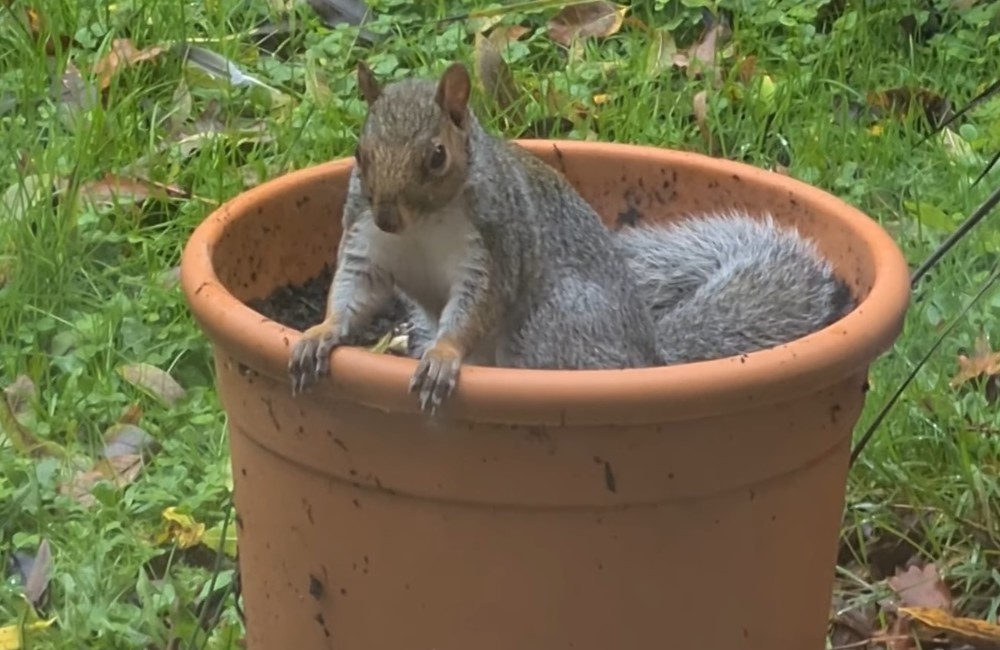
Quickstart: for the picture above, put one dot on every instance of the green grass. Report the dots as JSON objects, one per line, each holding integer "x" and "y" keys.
{"x": 86, "y": 288}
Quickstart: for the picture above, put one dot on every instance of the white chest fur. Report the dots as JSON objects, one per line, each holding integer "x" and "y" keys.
{"x": 428, "y": 258}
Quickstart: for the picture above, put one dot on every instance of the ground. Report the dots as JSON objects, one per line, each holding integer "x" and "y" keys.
{"x": 114, "y": 476}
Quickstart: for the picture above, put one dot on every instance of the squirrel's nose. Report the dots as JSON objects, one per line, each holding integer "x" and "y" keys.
{"x": 387, "y": 218}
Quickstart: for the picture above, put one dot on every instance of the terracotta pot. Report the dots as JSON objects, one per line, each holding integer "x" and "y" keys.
{"x": 695, "y": 506}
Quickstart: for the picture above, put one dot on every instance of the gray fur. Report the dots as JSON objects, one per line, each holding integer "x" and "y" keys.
{"x": 729, "y": 284}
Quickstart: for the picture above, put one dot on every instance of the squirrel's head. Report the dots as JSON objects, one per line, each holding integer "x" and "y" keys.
{"x": 413, "y": 153}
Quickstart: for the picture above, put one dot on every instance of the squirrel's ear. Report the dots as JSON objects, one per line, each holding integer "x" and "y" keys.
{"x": 367, "y": 84}
{"x": 453, "y": 93}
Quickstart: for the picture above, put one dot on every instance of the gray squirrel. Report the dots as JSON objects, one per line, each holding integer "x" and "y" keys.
{"x": 500, "y": 261}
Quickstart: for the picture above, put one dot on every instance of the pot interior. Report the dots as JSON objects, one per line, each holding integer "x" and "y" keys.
{"x": 289, "y": 228}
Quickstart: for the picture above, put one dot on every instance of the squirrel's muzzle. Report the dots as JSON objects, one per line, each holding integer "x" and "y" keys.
{"x": 388, "y": 218}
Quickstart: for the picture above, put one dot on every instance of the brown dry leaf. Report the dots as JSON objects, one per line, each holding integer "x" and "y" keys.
{"x": 36, "y": 25}
{"x": 699, "y": 59}
{"x": 121, "y": 470}
{"x": 19, "y": 395}
{"x": 154, "y": 381}
{"x": 747, "y": 68}
{"x": 123, "y": 53}
{"x": 899, "y": 101}
{"x": 504, "y": 35}
{"x": 585, "y": 20}
{"x": 115, "y": 190}
{"x": 984, "y": 361}
{"x": 971, "y": 630}
{"x": 131, "y": 414}
{"x": 80, "y": 485}
{"x": 495, "y": 76}
{"x": 23, "y": 439}
{"x": 921, "y": 587}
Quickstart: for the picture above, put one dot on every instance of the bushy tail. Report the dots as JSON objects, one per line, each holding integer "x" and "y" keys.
{"x": 730, "y": 284}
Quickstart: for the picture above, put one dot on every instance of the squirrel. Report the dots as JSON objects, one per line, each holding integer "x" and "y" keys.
{"x": 505, "y": 263}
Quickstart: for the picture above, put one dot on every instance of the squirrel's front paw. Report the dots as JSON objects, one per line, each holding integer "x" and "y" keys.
{"x": 310, "y": 357}
{"x": 437, "y": 374}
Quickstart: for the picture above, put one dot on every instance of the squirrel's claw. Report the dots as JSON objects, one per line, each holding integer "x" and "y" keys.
{"x": 310, "y": 357}
{"x": 436, "y": 376}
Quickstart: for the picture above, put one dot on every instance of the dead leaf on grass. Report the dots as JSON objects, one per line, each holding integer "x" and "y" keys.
{"x": 180, "y": 528}
{"x": 19, "y": 395}
{"x": 700, "y": 59}
{"x": 123, "y": 53}
{"x": 898, "y": 102}
{"x": 922, "y": 587}
{"x": 23, "y": 439}
{"x": 73, "y": 95}
{"x": 154, "y": 381}
{"x": 114, "y": 191}
{"x": 969, "y": 630}
{"x": 586, "y": 20}
{"x": 131, "y": 414}
{"x": 503, "y": 35}
{"x": 662, "y": 52}
{"x": 36, "y": 582}
{"x": 127, "y": 440}
{"x": 984, "y": 361}
{"x": 495, "y": 76}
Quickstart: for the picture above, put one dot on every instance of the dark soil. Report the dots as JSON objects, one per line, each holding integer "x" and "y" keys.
{"x": 301, "y": 306}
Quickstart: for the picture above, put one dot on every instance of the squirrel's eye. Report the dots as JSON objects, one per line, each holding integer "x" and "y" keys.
{"x": 438, "y": 157}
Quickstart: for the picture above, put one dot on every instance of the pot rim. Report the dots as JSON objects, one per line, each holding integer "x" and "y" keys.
{"x": 589, "y": 397}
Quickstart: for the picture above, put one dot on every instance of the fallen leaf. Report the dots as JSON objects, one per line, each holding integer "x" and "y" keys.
{"x": 154, "y": 381}
{"x": 29, "y": 191}
{"x": 114, "y": 191}
{"x": 36, "y": 26}
{"x": 121, "y": 470}
{"x": 19, "y": 395}
{"x": 661, "y": 53}
{"x": 131, "y": 414}
{"x": 984, "y": 361}
{"x": 921, "y": 587}
{"x": 73, "y": 95}
{"x": 700, "y": 57}
{"x": 11, "y": 636}
{"x": 964, "y": 629}
{"x": 495, "y": 76}
{"x": 122, "y": 54}
{"x": 586, "y": 20}
{"x": 503, "y": 35}
{"x": 127, "y": 440}
{"x": 80, "y": 486}
{"x": 181, "y": 529}
{"x": 23, "y": 439}
{"x": 899, "y": 102}
{"x": 36, "y": 583}
{"x": 352, "y": 12}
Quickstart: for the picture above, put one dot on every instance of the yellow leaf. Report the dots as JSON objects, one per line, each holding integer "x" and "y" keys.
{"x": 875, "y": 129}
{"x": 181, "y": 529}
{"x": 10, "y": 636}
{"x": 601, "y": 99}
{"x": 966, "y": 628}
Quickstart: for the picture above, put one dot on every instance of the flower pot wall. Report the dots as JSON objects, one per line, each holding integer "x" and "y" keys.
{"x": 694, "y": 506}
